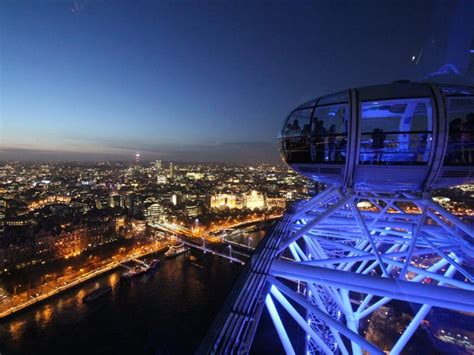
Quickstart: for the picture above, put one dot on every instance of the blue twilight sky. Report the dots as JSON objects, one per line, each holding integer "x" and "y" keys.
{"x": 190, "y": 80}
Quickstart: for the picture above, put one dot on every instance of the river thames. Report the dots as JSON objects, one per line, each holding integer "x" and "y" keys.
{"x": 167, "y": 311}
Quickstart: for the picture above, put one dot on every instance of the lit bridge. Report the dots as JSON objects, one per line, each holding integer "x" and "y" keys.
{"x": 186, "y": 236}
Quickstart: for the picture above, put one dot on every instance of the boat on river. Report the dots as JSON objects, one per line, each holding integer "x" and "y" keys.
{"x": 174, "y": 251}
{"x": 97, "y": 293}
{"x": 154, "y": 264}
{"x": 135, "y": 271}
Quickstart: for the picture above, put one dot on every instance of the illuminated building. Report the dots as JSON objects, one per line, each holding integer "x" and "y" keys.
{"x": 158, "y": 165}
{"x": 3, "y": 206}
{"x": 115, "y": 200}
{"x": 18, "y": 221}
{"x": 154, "y": 214}
{"x": 49, "y": 200}
{"x": 171, "y": 170}
{"x": 138, "y": 225}
{"x": 161, "y": 179}
{"x": 192, "y": 211}
{"x": 194, "y": 176}
{"x": 119, "y": 223}
{"x": 253, "y": 200}
{"x": 224, "y": 201}
{"x": 177, "y": 198}
{"x": 276, "y": 202}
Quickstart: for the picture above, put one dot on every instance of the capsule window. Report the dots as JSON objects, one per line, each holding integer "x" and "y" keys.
{"x": 396, "y": 132}
{"x": 460, "y": 149}
{"x": 334, "y": 98}
{"x": 329, "y": 133}
{"x": 296, "y": 137}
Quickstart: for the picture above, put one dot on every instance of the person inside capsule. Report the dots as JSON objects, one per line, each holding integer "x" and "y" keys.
{"x": 467, "y": 137}
{"x": 460, "y": 149}
{"x": 392, "y": 131}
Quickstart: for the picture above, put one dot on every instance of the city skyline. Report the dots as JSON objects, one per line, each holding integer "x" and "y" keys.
{"x": 200, "y": 83}
{"x": 251, "y": 177}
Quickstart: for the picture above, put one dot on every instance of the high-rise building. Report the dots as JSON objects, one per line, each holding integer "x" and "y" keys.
{"x": 160, "y": 175}
{"x": 2, "y": 214}
{"x": 115, "y": 200}
{"x": 177, "y": 198}
{"x": 137, "y": 158}
{"x": 158, "y": 166}
{"x": 154, "y": 214}
{"x": 171, "y": 171}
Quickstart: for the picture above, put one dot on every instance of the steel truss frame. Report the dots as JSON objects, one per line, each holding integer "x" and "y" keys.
{"x": 399, "y": 247}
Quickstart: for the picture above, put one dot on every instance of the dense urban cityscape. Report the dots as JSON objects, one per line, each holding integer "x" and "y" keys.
{"x": 236, "y": 177}
{"x": 64, "y": 223}
{"x": 53, "y": 211}
{"x": 57, "y": 210}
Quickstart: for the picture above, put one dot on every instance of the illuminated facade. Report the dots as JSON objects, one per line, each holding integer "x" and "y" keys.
{"x": 158, "y": 165}
{"x": 225, "y": 200}
{"x": 154, "y": 214}
{"x": 49, "y": 200}
{"x": 161, "y": 179}
{"x": 3, "y": 206}
{"x": 253, "y": 200}
{"x": 275, "y": 202}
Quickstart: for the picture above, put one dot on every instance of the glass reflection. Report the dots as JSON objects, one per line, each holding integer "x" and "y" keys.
{"x": 460, "y": 149}
{"x": 396, "y": 132}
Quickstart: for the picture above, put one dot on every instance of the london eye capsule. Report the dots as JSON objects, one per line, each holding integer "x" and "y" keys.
{"x": 402, "y": 136}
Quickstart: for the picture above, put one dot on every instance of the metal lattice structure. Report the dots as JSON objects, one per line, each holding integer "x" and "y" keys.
{"x": 354, "y": 261}
{"x": 330, "y": 263}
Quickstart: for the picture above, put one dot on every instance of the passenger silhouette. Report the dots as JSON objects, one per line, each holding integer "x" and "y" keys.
{"x": 454, "y": 154}
{"x": 378, "y": 144}
{"x": 306, "y": 130}
{"x": 332, "y": 143}
{"x": 467, "y": 139}
{"x": 421, "y": 147}
{"x": 341, "y": 150}
{"x": 296, "y": 129}
{"x": 319, "y": 140}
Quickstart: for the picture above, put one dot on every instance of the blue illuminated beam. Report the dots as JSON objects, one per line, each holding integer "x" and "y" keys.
{"x": 440, "y": 296}
{"x": 280, "y": 328}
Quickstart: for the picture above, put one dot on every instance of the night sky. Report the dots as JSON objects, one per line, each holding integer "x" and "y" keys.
{"x": 188, "y": 80}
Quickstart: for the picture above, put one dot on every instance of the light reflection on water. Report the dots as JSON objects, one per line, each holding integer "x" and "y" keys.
{"x": 16, "y": 328}
{"x": 113, "y": 280}
{"x": 80, "y": 295}
{"x": 151, "y": 314}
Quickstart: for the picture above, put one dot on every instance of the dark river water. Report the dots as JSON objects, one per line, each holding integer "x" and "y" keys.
{"x": 167, "y": 311}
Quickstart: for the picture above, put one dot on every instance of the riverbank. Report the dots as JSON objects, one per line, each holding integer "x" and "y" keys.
{"x": 38, "y": 298}
{"x": 151, "y": 314}
{"x": 33, "y": 296}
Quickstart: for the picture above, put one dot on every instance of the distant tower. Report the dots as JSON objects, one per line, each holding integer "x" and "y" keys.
{"x": 2, "y": 214}
{"x": 137, "y": 158}
{"x": 158, "y": 165}
{"x": 171, "y": 170}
